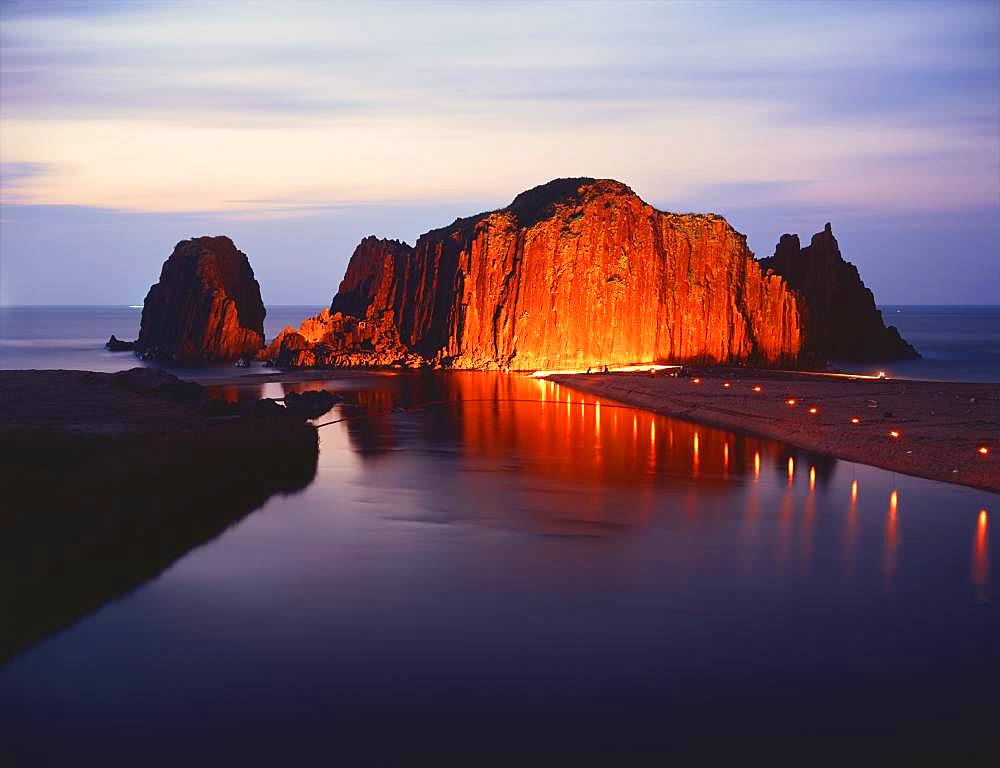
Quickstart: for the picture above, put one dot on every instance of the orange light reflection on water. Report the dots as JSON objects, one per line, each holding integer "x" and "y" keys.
{"x": 851, "y": 534}
{"x": 981, "y": 555}
{"x": 891, "y": 537}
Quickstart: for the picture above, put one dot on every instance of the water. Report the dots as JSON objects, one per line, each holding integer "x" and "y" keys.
{"x": 957, "y": 343}
{"x": 73, "y": 338}
{"x": 487, "y": 562}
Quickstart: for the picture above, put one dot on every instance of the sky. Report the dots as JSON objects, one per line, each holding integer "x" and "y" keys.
{"x": 299, "y": 128}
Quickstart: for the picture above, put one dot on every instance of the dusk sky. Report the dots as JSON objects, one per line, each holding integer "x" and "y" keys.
{"x": 298, "y": 129}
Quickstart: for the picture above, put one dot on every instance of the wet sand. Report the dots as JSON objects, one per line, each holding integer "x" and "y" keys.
{"x": 941, "y": 426}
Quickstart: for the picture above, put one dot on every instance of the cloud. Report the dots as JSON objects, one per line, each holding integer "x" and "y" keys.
{"x": 191, "y": 107}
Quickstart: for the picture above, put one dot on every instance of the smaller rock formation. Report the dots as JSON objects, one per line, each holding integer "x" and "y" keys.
{"x": 115, "y": 344}
{"x": 205, "y": 308}
{"x": 841, "y": 320}
{"x": 310, "y": 404}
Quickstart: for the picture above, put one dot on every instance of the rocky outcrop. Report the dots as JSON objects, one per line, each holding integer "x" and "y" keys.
{"x": 310, "y": 404}
{"x": 114, "y": 344}
{"x": 573, "y": 273}
{"x": 205, "y": 308}
{"x": 840, "y": 317}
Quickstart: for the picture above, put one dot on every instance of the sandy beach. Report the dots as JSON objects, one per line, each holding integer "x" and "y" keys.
{"x": 935, "y": 430}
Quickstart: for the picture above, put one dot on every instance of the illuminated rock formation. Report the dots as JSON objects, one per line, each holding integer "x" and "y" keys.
{"x": 206, "y": 306}
{"x": 573, "y": 273}
{"x": 840, "y": 318}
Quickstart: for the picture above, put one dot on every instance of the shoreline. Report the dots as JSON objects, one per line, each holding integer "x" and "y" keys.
{"x": 108, "y": 482}
{"x": 940, "y": 426}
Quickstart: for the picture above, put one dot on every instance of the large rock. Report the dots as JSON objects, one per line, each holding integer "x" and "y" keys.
{"x": 205, "y": 308}
{"x": 841, "y": 320}
{"x": 573, "y": 273}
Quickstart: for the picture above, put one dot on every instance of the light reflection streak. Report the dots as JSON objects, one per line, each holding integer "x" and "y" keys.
{"x": 981, "y": 556}
{"x": 851, "y": 533}
{"x": 756, "y": 466}
{"x": 652, "y": 445}
{"x": 812, "y": 479}
{"x": 695, "y": 455}
{"x": 791, "y": 470}
{"x": 891, "y": 538}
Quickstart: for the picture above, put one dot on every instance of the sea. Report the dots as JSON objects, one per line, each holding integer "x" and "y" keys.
{"x": 490, "y": 564}
{"x": 957, "y": 343}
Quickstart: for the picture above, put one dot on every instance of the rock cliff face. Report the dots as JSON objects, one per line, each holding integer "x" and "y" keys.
{"x": 840, "y": 318}
{"x": 206, "y": 306}
{"x": 573, "y": 273}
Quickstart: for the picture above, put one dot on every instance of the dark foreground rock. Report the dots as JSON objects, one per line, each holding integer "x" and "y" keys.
{"x": 110, "y": 478}
{"x": 114, "y": 344}
{"x": 206, "y": 306}
{"x": 840, "y": 317}
{"x": 312, "y": 403}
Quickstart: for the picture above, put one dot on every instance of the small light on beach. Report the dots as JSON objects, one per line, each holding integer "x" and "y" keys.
{"x": 855, "y": 420}
{"x": 854, "y": 490}
{"x": 982, "y": 518}
{"x": 894, "y": 434}
{"x": 696, "y": 380}
{"x": 880, "y": 375}
{"x": 984, "y": 450}
{"x": 756, "y": 464}
{"x": 814, "y": 410}
{"x": 791, "y": 466}
{"x": 790, "y": 401}
{"x": 756, "y": 389}
{"x": 727, "y": 385}
{"x": 812, "y": 478}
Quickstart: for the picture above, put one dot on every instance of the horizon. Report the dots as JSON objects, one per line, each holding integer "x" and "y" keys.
{"x": 298, "y": 129}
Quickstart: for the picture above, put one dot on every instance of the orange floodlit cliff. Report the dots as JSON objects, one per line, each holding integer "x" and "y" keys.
{"x": 573, "y": 273}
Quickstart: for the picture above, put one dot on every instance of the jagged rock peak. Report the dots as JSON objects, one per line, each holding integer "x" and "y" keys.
{"x": 841, "y": 320}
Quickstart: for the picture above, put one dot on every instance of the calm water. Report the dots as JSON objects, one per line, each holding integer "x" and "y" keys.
{"x": 957, "y": 343}
{"x": 487, "y": 562}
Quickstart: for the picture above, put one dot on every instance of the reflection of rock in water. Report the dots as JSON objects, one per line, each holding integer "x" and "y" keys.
{"x": 89, "y": 517}
{"x": 553, "y": 432}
